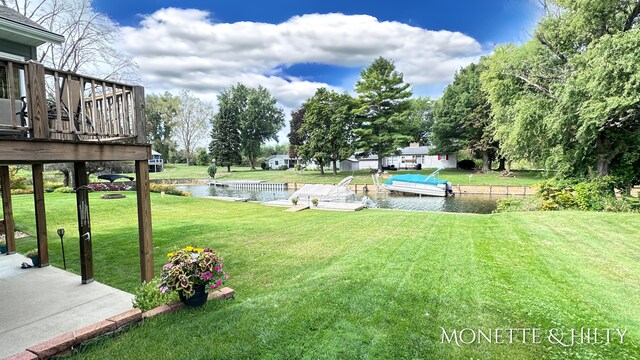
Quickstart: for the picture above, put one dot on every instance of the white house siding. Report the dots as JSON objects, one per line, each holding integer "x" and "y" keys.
{"x": 349, "y": 165}
{"x": 276, "y": 161}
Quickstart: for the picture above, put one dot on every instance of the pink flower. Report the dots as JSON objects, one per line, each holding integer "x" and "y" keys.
{"x": 167, "y": 266}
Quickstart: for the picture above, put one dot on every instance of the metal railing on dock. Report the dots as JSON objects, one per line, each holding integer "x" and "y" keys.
{"x": 251, "y": 185}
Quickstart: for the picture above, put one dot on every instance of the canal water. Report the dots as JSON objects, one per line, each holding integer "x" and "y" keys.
{"x": 479, "y": 204}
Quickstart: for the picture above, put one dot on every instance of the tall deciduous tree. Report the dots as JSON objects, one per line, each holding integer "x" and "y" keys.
{"x": 566, "y": 97}
{"x": 161, "y": 111}
{"x": 192, "y": 123}
{"x": 462, "y": 119}
{"x": 420, "y": 119}
{"x": 226, "y": 139}
{"x": 295, "y": 139}
{"x": 261, "y": 121}
{"x": 327, "y": 128}
{"x": 382, "y": 109}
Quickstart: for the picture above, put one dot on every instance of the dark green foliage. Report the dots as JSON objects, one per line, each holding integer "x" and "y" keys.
{"x": 226, "y": 139}
{"x": 263, "y": 165}
{"x": 462, "y": 118}
{"x": 160, "y": 111}
{"x": 295, "y": 138}
{"x": 327, "y": 128}
{"x": 261, "y": 121}
{"x": 382, "y": 110}
{"x": 202, "y": 157}
{"x": 211, "y": 170}
{"x": 466, "y": 164}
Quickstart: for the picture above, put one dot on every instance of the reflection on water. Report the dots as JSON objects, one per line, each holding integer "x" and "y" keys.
{"x": 480, "y": 204}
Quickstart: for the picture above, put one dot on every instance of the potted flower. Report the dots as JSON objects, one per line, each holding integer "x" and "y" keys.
{"x": 315, "y": 201}
{"x": 294, "y": 201}
{"x": 33, "y": 254}
{"x": 192, "y": 272}
{"x": 3, "y": 246}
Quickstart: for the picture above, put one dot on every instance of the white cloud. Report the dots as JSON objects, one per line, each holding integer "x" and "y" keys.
{"x": 184, "y": 48}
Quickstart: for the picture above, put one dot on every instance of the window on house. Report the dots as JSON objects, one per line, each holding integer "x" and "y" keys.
{"x": 276, "y": 162}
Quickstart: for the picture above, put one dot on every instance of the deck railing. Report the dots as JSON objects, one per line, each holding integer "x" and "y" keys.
{"x": 42, "y": 103}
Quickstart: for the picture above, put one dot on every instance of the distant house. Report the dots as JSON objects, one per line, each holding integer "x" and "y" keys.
{"x": 413, "y": 155}
{"x": 275, "y": 161}
{"x": 156, "y": 164}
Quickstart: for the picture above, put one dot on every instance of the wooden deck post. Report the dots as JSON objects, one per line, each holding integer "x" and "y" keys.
{"x": 81, "y": 179}
{"x": 144, "y": 220}
{"x": 139, "y": 117}
{"x": 9, "y": 226}
{"x": 41, "y": 218}
{"x": 37, "y": 100}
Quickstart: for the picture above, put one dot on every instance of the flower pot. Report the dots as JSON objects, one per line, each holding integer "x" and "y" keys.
{"x": 35, "y": 260}
{"x": 3, "y": 249}
{"x": 199, "y": 298}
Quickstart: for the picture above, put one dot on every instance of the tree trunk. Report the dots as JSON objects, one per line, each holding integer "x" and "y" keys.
{"x": 485, "y": 162}
{"x": 228, "y": 168}
{"x": 603, "y": 166}
{"x": 321, "y": 169}
{"x": 335, "y": 169}
{"x": 508, "y": 166}
{"x": 501, "y": 166}
{"x": 379, "y": 163}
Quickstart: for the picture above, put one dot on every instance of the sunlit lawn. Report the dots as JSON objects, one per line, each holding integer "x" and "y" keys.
{"x": 369, "y": 284}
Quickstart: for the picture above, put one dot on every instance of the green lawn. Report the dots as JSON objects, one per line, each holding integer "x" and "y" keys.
{"x": 181, "y": 171}
{"x": 369, "y": 284}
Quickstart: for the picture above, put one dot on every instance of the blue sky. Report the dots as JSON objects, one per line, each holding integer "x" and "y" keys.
{"x": 489, "y": 22}
{"x": 293, "y": 47}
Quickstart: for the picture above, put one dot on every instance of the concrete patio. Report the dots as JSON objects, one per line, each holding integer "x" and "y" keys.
{"x": 37, "y": 304}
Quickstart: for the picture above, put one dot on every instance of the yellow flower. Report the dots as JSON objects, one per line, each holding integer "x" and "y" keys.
{"x": 189, "y": 248}
{"x": 198, "y": 250}
{"x": 170, "y": 254}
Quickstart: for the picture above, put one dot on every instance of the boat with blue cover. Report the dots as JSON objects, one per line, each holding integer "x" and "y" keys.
{"x": 419, "y": 184}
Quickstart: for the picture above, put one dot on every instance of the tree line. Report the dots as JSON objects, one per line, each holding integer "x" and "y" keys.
{"x": 331, "y": 126}
{"x": 567, "y": 100}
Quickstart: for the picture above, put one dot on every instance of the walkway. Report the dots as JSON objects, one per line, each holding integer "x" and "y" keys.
{"x": 39, "y": 304}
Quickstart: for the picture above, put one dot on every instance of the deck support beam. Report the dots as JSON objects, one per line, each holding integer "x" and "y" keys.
{"x": 81, "y": 180}
{"x": 7, "y": 209}
{"x": 41, "y": 218}
{"x": 144, "y": 220}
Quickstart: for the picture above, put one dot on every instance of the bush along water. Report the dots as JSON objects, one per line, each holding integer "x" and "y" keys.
{"x": 167, "y": 189}
{"x": 593, "y": 195}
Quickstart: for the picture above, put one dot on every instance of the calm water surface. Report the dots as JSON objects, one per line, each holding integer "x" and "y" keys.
{"x": 480, "y": 204}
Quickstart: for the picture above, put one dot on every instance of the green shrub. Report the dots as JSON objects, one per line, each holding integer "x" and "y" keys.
{"x": 595, "y": 194}
{"x": 18, "y": 182}
{"x": 21, "y": 191}
{"x": 512, "y": 203}
{"x": 167, "y": 189}
{"x": 64, "y": 190}
{"x": 149, "y": 296}
{"x": 211, "y": 170}
{"x": 31, "y": 253}
{"x": 283, "y": 167}
{"x": 556, "y": 195}
{"x": 51, "y": 186}
{"x": 263, "y": 165}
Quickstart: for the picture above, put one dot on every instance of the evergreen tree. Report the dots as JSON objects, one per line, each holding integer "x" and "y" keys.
{"x": 382, "y": 108}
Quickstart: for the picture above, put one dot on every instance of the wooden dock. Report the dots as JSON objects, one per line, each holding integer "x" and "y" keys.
{"x": 230, "y": 199}
{"x": 331, "y": 206}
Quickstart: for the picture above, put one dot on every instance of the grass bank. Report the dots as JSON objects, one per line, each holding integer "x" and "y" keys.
{"x": 370, "y": 284}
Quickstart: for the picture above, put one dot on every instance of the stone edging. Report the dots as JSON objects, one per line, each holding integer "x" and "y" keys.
{"x": 63, "y": 343}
